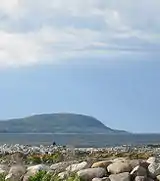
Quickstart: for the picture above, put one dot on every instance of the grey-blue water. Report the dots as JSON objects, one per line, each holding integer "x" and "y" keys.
{"x": 79, "y": 140}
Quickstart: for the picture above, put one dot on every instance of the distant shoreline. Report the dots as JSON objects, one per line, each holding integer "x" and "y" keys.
{"x": 68, "y": 133}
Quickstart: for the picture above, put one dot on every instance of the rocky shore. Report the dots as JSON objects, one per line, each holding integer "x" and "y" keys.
{"x": 49, "y": 163}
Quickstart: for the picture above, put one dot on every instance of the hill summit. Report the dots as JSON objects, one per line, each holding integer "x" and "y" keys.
{"x": 56, "y": 123}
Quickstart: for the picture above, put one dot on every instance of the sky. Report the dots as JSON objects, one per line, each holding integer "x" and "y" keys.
{"x": 95, "y": 57}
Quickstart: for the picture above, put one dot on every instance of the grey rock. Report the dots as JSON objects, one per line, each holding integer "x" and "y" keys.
{"x": 37, "y": 168}
{"x": 101, "y": 179}
{"x": 16, "y": 172}
{"x": 158, "y": 177}
{"x": 90, "y": 173}
{"x": 154, "y": 169}
{"x": 32, "y": 170}
{"x": 120, "y": 177}
{"x": 103, "y": 164}
{"x": 140, "y": 178}
{"x": 139, "y": 171}
{"x": 77, "y": 167}
{"x": 152, "y": 160}
{"x": 61, "y": 166}
{"x": 119, "y": 167}
{"x": 63, "y": 175}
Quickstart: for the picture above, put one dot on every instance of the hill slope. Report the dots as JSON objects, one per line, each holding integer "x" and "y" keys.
{"x": 55, "y": 123}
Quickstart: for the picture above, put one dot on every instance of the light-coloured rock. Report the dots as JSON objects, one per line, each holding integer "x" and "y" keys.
{"x": 9, "y": 177}
{"x": 154, "y": 169}
{"x": 139, "y": 171}
{"x": 101, "y": 179}
{"x": 140, "y": 178}
{"x": 90, "y": 173}
{"x": 63, "y": 175}
{"x": 77, "y": 167}
{"x": 122, "y": 159}
{"x": 4, "y": 168}
{"x": 61, "y": 166}
{"x": 152, "y": 160}
{"x": 158, "y": 177}
{"x": 119, "y": 167}
{"x": 2, "y": 171}
{"x": 32, "y": 170}
{"x": 26, "y": 177}
{"x": 120, "y": 177}
{"x": 37, "y": 168}
{"x": 103, "y": 164}
{"x": 16, "y": 172}
{"x": 134, "y": 163}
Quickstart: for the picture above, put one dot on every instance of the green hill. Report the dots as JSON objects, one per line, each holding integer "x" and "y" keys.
{"x": 56, "y": 123}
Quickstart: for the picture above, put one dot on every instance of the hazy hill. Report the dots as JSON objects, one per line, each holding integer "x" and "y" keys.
{"x": 56, "y": 123}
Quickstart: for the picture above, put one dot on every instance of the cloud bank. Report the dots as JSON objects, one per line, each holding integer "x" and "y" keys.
{"x": 51, "y": 31}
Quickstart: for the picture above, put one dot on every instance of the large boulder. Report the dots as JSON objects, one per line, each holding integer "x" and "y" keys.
{"x": 37, "y": 168}
{"x": 61, "y": 166}
{"x": 139, "y": 171}
{"x": 119, "y": 167}
{"x": 153, "y": 159}
{"x": 140, "y": 178}
{"x": 158, "y": 177}
{"x": 16, "y": 172}
{"x": 103, "y": 164}
{"x": 120, "y": 177}
{"x": 136, "y": 162}
{"x": 154, "y": 169}
{"x": 32, "y": 170}
{"x": 90, "y": 173}
{"x": 77, "y": 167}
{"x": 122, "y": 159}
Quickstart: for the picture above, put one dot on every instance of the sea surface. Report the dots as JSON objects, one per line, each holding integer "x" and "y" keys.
{"x": 80, "y": 140}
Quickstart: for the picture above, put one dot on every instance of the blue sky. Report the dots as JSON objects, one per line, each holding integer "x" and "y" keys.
{"x": 94, "y": 57}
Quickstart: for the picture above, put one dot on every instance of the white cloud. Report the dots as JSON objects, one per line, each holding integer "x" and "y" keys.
{"x": 54, "y": 30}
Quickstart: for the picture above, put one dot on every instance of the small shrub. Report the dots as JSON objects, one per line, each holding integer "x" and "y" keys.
{"x": 44, "y": 176}
{"x": 2, "y": 177}
{"x": 36, "y": 159}
{"x": 73, "y": 177}
{"x": 38, "y": 177}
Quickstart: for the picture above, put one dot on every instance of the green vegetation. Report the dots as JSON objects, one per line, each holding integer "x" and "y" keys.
{"x": 130, "y": 155}
{"x": 2, "y": 177}
{"x": 55, "y": 123}
{"x": 37, "y": 159}
{"x": 44, "y": 176}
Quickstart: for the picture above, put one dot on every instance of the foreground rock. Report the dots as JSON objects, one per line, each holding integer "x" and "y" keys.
{"x": 158, "y": 177}
{"x": 101, "y": 179}
{"x": 140, "y": 178}
{"x": 63, "y": 175}
{"x": 152, "y": 160}
{"x": 32, "y": 170}
{"x": 119, "y": 167}
{"x": 90, "y": 173}
{"x": 61, "y": 166}
{"x": 103, "y": 164}
{"x": 120, "y": 177}
{"x": 139, "y": 171}
{"x": 77, "y": 167}
{"x": 154, "y": 169}
{"x": 16, "y": 172}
